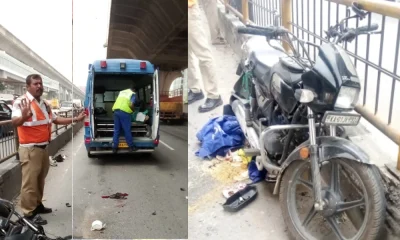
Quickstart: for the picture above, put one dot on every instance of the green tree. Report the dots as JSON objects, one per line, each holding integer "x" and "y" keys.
{"x": 2, "y": 87}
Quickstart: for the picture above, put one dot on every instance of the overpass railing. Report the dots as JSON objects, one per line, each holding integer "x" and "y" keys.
{"x": 9, "y": 138}
{"x": 375, "y": 56}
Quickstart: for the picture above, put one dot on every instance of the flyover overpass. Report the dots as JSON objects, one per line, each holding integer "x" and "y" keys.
{"x": 151, "y": 30}
{"x": 17, "y": 61}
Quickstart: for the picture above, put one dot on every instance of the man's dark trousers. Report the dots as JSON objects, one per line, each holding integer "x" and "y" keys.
{"x": 122, "y": 120}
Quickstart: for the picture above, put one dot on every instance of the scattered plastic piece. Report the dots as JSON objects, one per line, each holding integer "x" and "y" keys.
{"x": 117, "y": 195}
{"x": 228, "y": 192}
{"x": 182, "y": 189}
{"x": 68, "y": 205}
{"x": 154, "y": 213}
{"x": 98, "y": 225}
{"x": 240, "y": 199}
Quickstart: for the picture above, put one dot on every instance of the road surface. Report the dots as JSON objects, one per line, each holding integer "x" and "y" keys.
{"x": 157, "y": 186}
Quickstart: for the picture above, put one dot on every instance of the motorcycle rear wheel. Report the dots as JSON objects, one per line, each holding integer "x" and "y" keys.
{"x": 373, "y": 200}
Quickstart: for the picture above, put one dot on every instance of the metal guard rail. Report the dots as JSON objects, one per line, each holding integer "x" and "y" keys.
{"x": 9, "y": 137}
{"x": 295, "y": 16}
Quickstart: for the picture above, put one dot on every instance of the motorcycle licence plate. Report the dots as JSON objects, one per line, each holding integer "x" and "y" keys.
{"x": 338, "y": 118}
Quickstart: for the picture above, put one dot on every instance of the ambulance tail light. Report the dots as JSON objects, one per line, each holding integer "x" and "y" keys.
{"x": 87, "y": 122}
{"x": 103, "y": 64}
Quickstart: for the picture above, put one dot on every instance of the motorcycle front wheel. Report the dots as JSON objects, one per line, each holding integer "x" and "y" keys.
{"x": 354, "y": 210}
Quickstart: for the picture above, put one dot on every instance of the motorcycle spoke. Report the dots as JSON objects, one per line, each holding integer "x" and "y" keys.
{"x": 335, "y": 228}
{"x": 309, "y": 217}
{"x": 335, "y": 177}
{"x": 343, "y": 206}
{"x": 305, "y": 183}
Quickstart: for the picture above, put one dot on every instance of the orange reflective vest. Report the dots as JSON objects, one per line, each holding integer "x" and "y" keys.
{"x": 37, "y": 129}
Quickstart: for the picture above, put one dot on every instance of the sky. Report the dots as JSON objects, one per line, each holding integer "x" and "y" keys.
{"x": 45, "y": 26}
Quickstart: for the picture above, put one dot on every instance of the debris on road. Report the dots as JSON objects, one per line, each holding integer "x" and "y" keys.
{"x": 240, "y": 199}
{"x": 226, "y": 172}
{"x": 60, "y": 158}
{"x": 53, "y": 162}
{"x": 117, "y": 195}
{"x": 254, "y": 174}
{"x": 230, "y": 191}
{"x": 154, "y": 213}
{"x": 68, "y": 205}
{"x": 98, "y": 225}
{"x": 182, "y": 189}
{"x": 218, "y": 136}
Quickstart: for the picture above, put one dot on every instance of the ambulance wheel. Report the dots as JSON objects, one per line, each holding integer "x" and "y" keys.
{"x": 89, "y": 154}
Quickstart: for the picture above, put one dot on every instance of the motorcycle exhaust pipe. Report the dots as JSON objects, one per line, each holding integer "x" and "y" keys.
{"x": 250, "y": 132}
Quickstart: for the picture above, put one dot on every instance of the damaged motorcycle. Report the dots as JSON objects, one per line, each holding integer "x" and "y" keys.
{"x": 294, "y": 113}
{"x": 13, "y": 226}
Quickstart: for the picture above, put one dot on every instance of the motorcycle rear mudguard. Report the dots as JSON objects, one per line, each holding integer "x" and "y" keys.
{"x": 329, "y": 148}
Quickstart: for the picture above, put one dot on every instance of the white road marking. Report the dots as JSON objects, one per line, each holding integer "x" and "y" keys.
{"x": 167, "y": 145}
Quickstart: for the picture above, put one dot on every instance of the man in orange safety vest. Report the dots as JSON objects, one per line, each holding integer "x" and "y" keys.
{"x": 33, "y": 118}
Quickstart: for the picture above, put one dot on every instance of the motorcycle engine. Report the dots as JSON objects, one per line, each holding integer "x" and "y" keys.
{"x": 274, "y": 142}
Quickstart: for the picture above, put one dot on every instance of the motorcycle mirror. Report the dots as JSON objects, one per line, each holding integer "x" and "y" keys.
{"x": 356, "y": 7}
{"x": 304, "y": 95}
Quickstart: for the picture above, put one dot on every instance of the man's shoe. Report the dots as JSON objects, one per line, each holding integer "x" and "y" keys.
{"x": 37, "y": 219}
{"x": 42, "y": 209}
{"x": 193, "y": 97}
{"x": 114, "y": 151}
{"x": 210, "y": 104}
{"x": 133, "y": 149}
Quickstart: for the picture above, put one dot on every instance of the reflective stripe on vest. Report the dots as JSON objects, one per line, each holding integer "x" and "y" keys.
{"x": 124, "y": 101}
{"x": 37, "y": 129}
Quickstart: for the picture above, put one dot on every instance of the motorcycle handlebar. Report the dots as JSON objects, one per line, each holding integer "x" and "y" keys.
{"x": 261, "y": 31}
{"x": 370, "y": 28}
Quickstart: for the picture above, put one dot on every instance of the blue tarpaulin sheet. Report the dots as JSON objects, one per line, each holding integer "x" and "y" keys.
{"x": 218, "y": 136}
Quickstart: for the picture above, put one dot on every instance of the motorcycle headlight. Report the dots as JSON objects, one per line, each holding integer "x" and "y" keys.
{"x": 347, "y": 98}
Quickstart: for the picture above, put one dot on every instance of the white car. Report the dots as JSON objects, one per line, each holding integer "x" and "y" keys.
{"x": 68, "y": 106}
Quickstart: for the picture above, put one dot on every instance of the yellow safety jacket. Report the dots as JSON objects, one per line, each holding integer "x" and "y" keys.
{"x": 123, "y": 101}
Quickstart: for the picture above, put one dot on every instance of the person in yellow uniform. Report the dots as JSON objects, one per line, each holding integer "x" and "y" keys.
{"x": 33, "y": 118}
{"x": 123, "y": 109}
{"x": 200, "y": 48}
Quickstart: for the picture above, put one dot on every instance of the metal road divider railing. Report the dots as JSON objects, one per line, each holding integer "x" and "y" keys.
{"x": 376, "y": 56}
{"x": 9, "y": 138}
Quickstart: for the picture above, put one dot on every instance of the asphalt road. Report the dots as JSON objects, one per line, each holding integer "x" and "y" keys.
{"x": 157, "y": 186}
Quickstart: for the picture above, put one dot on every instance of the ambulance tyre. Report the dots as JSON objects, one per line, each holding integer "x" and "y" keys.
{"x": 89, "y": 155}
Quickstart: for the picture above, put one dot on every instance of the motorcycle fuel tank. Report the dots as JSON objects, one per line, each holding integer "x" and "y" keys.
{"x": 283, "y": 93}
{"x": 257, "y": 53}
